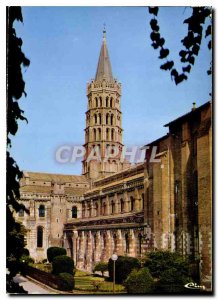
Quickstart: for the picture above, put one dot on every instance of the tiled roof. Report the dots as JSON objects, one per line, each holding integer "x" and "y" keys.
{"x": 35, "y": 189}
{"x": 55, "y": 177}
{"x": 48, "y": 190}
{"x": 75, "y": 191}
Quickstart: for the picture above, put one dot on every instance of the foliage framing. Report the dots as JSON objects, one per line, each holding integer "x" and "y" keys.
{"x": 191, "y": 42}
{"x": 15, "y": 89}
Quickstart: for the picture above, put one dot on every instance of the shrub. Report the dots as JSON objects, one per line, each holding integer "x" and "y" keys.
{"x": 68, "y": 282}
{"x": 161, "y": 261}
{"x": 172, "y": 281}
{"x": 123, "y": 267}
{"x": 27, "y": 259}
{"x": 52, "y": 252}
{"x": 139, "y": 282}
{"x": 101, "y": 267}
{"x": 62, "y": 264}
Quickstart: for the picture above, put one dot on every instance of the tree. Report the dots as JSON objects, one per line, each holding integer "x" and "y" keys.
{"x": 191, "y": 42}
{"x": 161, "y": 261}
{"x": 101, "y": 267}
{"x": 16, "y": 88}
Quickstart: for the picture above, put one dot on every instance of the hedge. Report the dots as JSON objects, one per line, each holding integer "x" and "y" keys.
{"x": 123, "y": 267}
{"x": 68, "y": 281}
{"x": 139, "y": 282}
{"x": 62, "y": 264}
{"x": 52, "y": 252}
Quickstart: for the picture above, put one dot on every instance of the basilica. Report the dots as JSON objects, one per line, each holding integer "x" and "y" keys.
{"x": 123, "y": 208}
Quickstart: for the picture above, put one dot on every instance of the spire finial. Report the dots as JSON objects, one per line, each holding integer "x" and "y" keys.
{"x": 104, "y": 31}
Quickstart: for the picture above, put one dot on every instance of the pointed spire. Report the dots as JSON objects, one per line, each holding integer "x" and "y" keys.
{"x": 104, "y": 66}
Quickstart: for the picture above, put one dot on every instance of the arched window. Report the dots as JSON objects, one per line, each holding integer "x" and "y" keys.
{"x": 74, "y": 212}
{"x": 39, "y": 237}
{"x": 112, "y": 119}
{"x": 100, "y": 98}
{"x": 107, "y": 117}
{"x": 111, "y": 103}
{"x": 107, "y": 101}
{"x": 140, "y": 243}
{"x": 132, "y": 203}
{"x": 94, "y": 133}
{"x": 121, "y": 205}
{"x": 41, "y": 211}
{"x": 99, "y": 118}
{"x": 107, "y": 134}
{"x": 21, "y": 213}
{"x": 112, "y": 134}
{"x": 96, "y": 102}
{"x": 95, "y": 118}
{"x": 99, "y": 134}
{"x": 112, "y": 207}
{"x": 127, "y": 242}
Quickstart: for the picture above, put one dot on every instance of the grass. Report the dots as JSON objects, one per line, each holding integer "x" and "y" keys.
{"x": 89, "y": 282}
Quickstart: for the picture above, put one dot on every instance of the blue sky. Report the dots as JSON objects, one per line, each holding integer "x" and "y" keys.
{"x": 63, "y": 45}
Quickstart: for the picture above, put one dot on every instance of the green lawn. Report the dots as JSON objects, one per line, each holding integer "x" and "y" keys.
{"x": 88, "y": 283}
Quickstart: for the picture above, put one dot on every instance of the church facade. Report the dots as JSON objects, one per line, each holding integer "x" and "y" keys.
{"x": 116, "y": 207}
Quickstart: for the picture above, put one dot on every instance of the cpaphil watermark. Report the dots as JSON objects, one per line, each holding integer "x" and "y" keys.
{"x": 134, "y": 154}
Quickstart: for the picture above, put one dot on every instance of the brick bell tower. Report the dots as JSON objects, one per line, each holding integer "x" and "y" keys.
{"x": 103, "y": 132}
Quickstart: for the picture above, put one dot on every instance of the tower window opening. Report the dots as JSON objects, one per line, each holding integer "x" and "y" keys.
{"x": 112, "y": 119}
{"x": 107, "y": 134}
{"x": 107, "y": 101}
{"x": 94, "y": 132}
{"x": 99, "y": 134}
{"x": 107, "y": 119}
{"x": 111, "y": 102}
{"x": 112, "y": 134}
